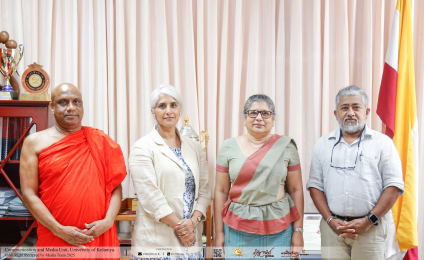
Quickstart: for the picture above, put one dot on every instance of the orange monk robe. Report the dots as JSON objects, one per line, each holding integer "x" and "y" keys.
{"x": 76, "y": 178}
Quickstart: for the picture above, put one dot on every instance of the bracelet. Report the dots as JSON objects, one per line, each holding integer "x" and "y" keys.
{"x": 194, "y": 224}
{"x": 329, "y": 219}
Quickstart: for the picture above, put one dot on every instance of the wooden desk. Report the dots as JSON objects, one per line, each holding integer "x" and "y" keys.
{"x": 123, "y": 215}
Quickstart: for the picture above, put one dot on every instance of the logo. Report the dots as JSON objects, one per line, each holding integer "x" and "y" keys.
{"x": 288, "y": 253}
{"x": 238, "y": 252}
{"x": 263, "y": 253}
{"x": 303, "y": 251}
{"x": 140, "y": 253}
{"x": 168, "y": 254}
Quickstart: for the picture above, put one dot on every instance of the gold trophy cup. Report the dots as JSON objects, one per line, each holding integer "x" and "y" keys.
{"x": 9, "y": 60}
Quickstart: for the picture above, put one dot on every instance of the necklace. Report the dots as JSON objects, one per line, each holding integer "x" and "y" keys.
{"x": 250, "y": 144}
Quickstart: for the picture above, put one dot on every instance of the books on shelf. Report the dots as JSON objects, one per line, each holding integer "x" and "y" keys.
{"x": 11, "y": 130}
{"x": 124, "y": 238}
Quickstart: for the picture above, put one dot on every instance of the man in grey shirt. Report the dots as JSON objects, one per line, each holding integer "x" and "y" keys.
{"x": 355, "y": 178}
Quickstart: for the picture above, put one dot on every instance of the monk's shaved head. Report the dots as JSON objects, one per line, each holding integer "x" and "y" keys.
{"x": 67, "y": 107}
{"x": 65, "y": 87}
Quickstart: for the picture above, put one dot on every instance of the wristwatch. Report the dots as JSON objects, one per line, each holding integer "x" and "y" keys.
{"x": 199, "y": 219}
{"x": 373, "y": 218}
{"x": 298, "y": 229}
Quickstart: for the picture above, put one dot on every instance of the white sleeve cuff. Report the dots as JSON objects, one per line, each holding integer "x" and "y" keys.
{"x": 162, "y": 212}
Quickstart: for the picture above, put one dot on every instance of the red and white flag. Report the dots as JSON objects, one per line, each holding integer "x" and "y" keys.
{"x": 398, "y": 110}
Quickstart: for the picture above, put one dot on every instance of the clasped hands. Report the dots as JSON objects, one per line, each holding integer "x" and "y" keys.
{"x": 77, "y": 237}
{"x": 185, "y": 230}
{"x": 350, "y": 229}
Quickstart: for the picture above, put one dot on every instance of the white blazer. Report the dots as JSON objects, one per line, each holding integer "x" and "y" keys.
{"x": 159, "y": 181}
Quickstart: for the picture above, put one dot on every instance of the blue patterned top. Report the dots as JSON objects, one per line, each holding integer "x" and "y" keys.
{"x": 188, "y": 201}
{"x": 190, "y": 185}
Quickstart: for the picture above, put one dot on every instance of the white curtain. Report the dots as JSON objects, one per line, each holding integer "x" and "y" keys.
{"x": 217, "y": 53}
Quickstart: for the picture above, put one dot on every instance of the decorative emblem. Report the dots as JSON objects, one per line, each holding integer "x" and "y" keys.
{"x": 238, "y": 252}
{"x": 35, "y": 80}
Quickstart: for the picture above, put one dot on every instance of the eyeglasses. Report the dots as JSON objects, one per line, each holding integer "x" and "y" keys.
{"x": 254, "y": 113}
{"x": 347, "y": 168}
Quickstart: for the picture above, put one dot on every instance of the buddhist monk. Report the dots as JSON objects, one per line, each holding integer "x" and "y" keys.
{"x": 71, "y": 178}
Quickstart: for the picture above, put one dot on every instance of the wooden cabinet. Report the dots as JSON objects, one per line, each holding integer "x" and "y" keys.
{"x": 18, "y": 118}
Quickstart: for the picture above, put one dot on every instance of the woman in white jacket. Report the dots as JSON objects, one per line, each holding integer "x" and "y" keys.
{"x": 170, "y": 177}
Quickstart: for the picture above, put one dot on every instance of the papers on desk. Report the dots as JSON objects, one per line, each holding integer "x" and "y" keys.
{"x": 5, "y": 200}
{"x": 6, "y": 192}
{"x": 3, "y": 209}
{"x": 17, "y": 209}
{"x": 6, "y": 196}
{"x": 11, "y": 205}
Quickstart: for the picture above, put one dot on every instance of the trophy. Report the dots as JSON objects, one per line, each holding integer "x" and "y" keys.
{"x": 36, "y": 82}
{"x": 187, "y": 130}
{"x": 9, "y": 60}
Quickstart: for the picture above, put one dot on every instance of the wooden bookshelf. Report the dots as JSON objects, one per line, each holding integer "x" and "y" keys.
{"x": 125, "y": 216}
{"x": 40, "y": 117}
{"x": 123, "y": 211}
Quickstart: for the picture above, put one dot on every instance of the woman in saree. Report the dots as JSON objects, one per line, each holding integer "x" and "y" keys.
{"x": 259, "y": 189}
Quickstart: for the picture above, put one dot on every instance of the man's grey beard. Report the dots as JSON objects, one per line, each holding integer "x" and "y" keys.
{"x": 351, "y": 129}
